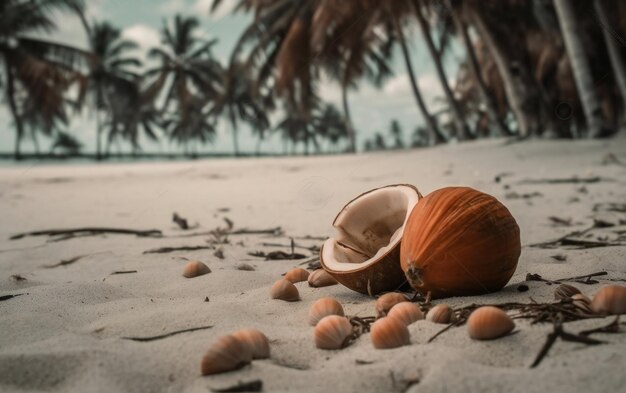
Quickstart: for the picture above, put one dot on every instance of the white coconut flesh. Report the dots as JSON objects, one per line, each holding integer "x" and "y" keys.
{"x": 369, "y": 227}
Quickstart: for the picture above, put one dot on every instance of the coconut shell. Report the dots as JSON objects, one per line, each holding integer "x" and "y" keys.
{"x": 459, "y": 241}
{"x": 385, "y": 274}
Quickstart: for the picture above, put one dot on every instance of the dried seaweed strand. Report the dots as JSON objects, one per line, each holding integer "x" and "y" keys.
{"x": 7, "y": 297}
{"x": 89, "y": 231}
{"x": 583, "y": 279}
{"x": 166, "y": 335}
{"x": 165, "y": 250}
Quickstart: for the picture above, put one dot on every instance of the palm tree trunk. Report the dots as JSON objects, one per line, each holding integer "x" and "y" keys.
{"x": 617, "y": 62}
{"x": 428, "y": 119}
{"x": 33, "y": 138}
{"x": 463, "y": 130}
{"x": 516, "y": 90}
{"x": 19, "y": 127}
{"x": 461, "y": 28}
{"x": 235, "y": 141}
{"x": 348, "y": 118}
{"x": 98, "y": 135}
{"x": 581, "y": 68}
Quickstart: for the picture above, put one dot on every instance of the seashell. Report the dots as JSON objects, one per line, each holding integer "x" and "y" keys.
{"x": 610, "y": 300}
{"x": 195, "y": 269}
{"x": 256, "y": 341}
{"x": 385, "y": 302}
{"x": 389, "y": 332}
{"x": 565, "y": 291}
{"x": 296, "y": 274}
{"x": 332, "y": 332}
{"x": 487, "y": 323}
{"x": 454, "y": 231}
{"x": 320, "y": 278}
{"x": 227, "y": 353}
{"x": 284, "y": 290}
{"x": 407, "y": 312}
{"x": 364, "y": 254}
{"x": 441, "y": 313}
{"x": 582, "y": 302}
{"x": 324, "y": 307}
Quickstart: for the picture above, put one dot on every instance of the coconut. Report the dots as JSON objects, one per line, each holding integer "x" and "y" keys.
{"x": 365, "y": 254}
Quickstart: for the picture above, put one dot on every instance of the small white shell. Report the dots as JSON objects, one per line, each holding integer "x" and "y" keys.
{"x": 388, "y": 300}
{"x": 321, "y": 278}
{"x": 195, "y": 269}
{"x": 332, "y": 332}
{"x": 565, "y": 291}
{"x": 610, "y": 300}
{"x": 407, "y": 312}
{"x": 227, "y": 353}
{"x": 296, "y": 274}
{"x": 388, "y": 332}
{"x": 284, "y": 290}
{"x": 324, "y": 307}
{"x": 256, "y": 341}
{"x": 582, "y": 302}
{"x": 441, "y": 313}
{"x": 487, "y": 323}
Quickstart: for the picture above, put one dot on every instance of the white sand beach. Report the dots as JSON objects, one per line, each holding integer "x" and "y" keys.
{"x": 65, "y": 333}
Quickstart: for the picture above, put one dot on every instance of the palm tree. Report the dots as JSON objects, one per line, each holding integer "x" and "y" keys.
{"x": 36, "y": 68}
{"x": 294, "y": 128}
{"x": 275, "y": 49}
{"x": 429, "y": 120}
{"x": 617, "y": 62}
{"x": 194, "y": 76}
{"x": 239, "y": 101}
{"x": 66, "y": 142}
{"x": 192, "y": 124}
{"x": 474, "y": 67}
{"x": 462, "y": 130}
{"x": 501, "y": 28}
{"x": 130, "y": 114}
{"x": 111, "y": 77}
{"x": 395, "y": 130}
{"x": 330, "y": 125}
{"x": 581, "y": 68}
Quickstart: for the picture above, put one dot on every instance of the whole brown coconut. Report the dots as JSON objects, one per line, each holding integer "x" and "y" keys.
{"x": 459, "y": 241}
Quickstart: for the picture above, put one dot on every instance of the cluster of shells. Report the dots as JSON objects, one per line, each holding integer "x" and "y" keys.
{"x": 395, "y": 313}
{"x": 609, "y": 300}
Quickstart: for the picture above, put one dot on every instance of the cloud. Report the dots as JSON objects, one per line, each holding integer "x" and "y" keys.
{"x": 171, "y": 7}
{"x": 145, "y": 36}
{"x": 203, "y": 7}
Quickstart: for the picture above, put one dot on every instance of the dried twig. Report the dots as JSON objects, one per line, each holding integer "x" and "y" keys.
{"x": 612, "y": 327}
{"x": 166, "y": 335}
{"x": 65, "y": 262}
{"x": 584, "y": 279}
{"x": 566, "y": 180}
{"x": 251, "y": 386}
{"x": 7, "y": 297}
{"x": 165, "y": 250}
{"x": 124, "y": 272}
{"x": 89, "y": 231}
{"x": 180, "y": 221}
{"x": 558, "y": 332}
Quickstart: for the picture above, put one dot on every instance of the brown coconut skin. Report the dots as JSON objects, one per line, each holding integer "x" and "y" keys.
{"x": 385, "y": 275}
{"x": 459, "y": 241}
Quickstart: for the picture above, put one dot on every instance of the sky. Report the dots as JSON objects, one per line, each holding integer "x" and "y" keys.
{"x": 372, "y": 109}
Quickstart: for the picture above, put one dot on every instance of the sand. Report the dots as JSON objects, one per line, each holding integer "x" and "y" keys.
{"x": 65, "y": 333}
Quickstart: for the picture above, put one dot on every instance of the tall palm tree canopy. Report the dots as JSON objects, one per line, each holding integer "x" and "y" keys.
{"x": 191, "y": 78}
{"x": 36, "y": 70}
